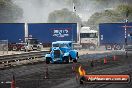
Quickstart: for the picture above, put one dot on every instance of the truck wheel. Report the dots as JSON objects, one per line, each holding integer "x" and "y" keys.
{"x": 92, "y": 47}
{"x": 26, "y": 50}
{"x": 118, "y": 47}
{"x": 38, "y": 48}
{"x": 22, "y": 48}
{"x": 14, "y": 48}
{"x": 47, "y": 60}
{"x": 85, "y": 46}
{"x": 108, "y": 47}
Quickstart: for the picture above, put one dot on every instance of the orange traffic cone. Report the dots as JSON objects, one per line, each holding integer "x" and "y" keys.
{"x": 13, "y": 83}
{"x": 105, "y": 60}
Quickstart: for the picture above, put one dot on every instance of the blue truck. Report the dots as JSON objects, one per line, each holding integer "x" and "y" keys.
{"x": 112, "y": 35}
{"x": 47, "y": 33}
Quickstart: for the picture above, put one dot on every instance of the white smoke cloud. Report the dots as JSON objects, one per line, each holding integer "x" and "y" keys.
{"x": 38, "y": 10}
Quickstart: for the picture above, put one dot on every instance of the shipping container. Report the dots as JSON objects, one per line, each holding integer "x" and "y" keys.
{"x": 13, "y": 32}
{"x": 112, "y": 35}
{"x": 51, "y": 32}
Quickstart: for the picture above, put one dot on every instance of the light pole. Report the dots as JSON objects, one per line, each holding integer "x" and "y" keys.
{"x": 26, "y": 31}
{"x": 78, "y": 30}
{"x": 126, "y": 33}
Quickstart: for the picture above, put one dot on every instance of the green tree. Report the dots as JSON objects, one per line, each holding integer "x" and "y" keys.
{"x": 9, "y": 12}
{"x": 110, "y": 16}
{"x": 63, "y": 16}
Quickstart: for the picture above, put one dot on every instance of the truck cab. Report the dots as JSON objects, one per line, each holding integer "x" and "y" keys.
{"x": 88, "y": 38}
{"x": 32, "y": 44}
{"x": 62, "y": 51}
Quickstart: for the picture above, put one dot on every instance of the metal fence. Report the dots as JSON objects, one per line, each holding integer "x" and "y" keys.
{"x": 3, "y": 47}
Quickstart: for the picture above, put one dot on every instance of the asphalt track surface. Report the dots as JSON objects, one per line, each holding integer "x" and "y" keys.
{"x": 62, "y": 75}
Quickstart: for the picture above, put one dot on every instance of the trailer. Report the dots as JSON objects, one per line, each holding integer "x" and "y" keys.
{"x": 14, "y": 33}
{"x": 47, "y": 33}
{"x": 33, "y": 36}
{"x": 112, "y": 35}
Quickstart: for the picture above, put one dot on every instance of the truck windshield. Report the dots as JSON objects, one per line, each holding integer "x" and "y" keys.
{"x": 88, "y": 35}
{"x": 32, "y": 41}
